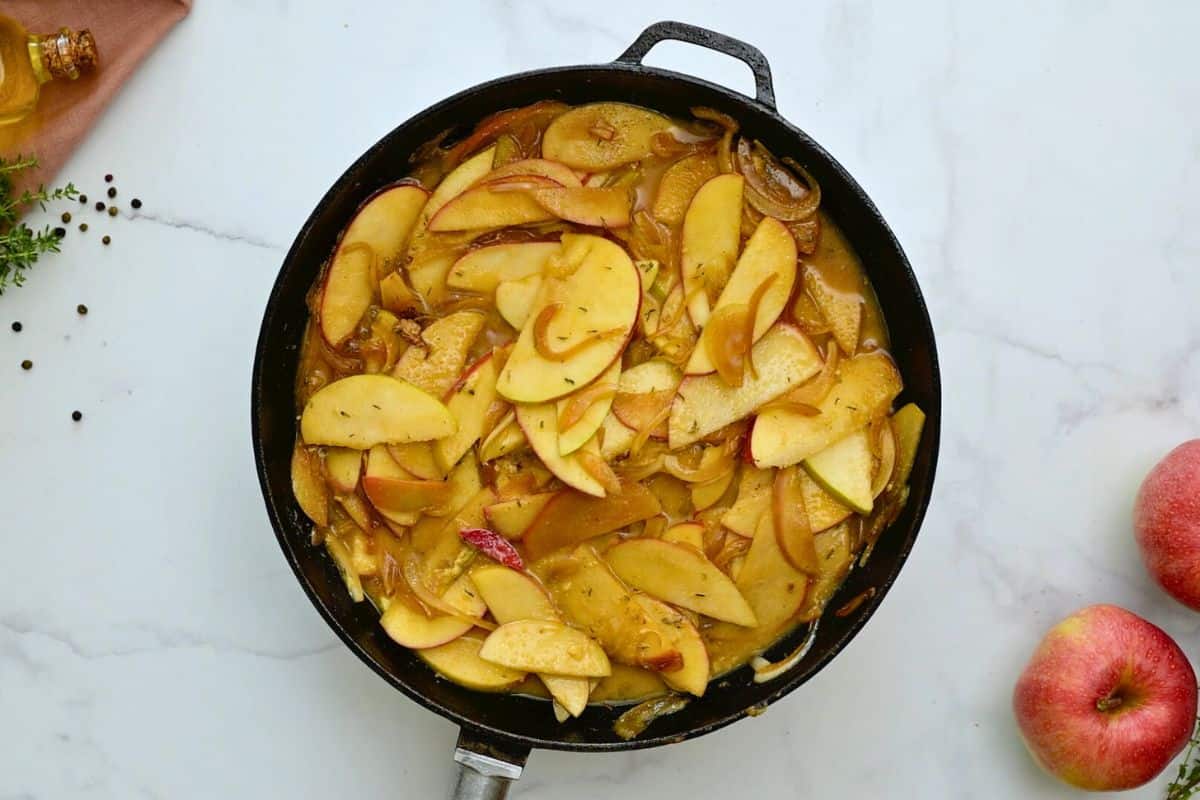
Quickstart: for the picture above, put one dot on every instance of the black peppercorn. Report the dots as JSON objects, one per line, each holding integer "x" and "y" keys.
{"x": 83, "y": 199}
{"x": 106, "y": 239}
{"x": 135, "y": 203}
{"x": 16, "y": 326}
{"x": 76, "y": 415}
{"x": 60, "y": 232}
{"x": 66, "y": 217}
{"x": 81, "y": 308}
{"x": 27, "y": 364}
{"x": 83, "y": 226}
{"x": 99, "y": 205}
{"x": 112, "y": 211}
{"x": 112, "y": 191}
{"x": 108, "y": 178}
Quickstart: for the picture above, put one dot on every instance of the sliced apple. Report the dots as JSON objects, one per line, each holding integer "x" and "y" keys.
{"x": 712, "y": 229}
{"x": 573, "y": 517}
{"x": 597, "y": 306}
{"x": 545, "y": 646}
{"x": 599, "y": 208}
{"x": 692, "y": 676}
{"x": 396, "y": 296}
{"x": 436, "y": 366}
{"x": 907, "y": 424}
{"x": 444, "y": 556}
{"x": 587, "y": 407}
{"x": 824, "y": 511}
{"x": 312, "y": 494}
{"x": 842, "y": 311}
{"x": 384, "y": 223}
{"x": 771, "y": 250}
{"x": 866, "y": 386}
{"x": 383, "y": 348}
{"x": 686, "y": 533}
{"x": 417, "y": 458}
{"x": 790, "y": 518}
{"x": 464, "y": 485}
{"x": 357, "y": 509}
{"x": 846, "y": 470}
{"x": 616, "y": 438}
{"x": 341, "y": 559}
{"x": 643, "y": 393}
{"x": 507, "y": 437}
{"x": 484, "y": 269}
{"x": 591, "y": 597}
{"x": 784, "y": 358}
{"x": 459, "y": 661}
{"x": 705, "y": 495}
{"x": 679, "y": 575}
{"x": 539, "y": 422}
{"x": 754, "y": 498}
{"x": 347, "y": 292}
{"x": 836, "y": 555}
{"x": 510, "y": 518}
{"x": 679, "y": 185}
{"x": 343, "y": 466}
{"x": 887, "y": 459}
{"x": 494, "y": 205}
{"x": 406, "y": 623}
{"x": 600, "y": 136}
{"x": 391, "y": 490}
{"x": 468, "y": 402}
{"x": 559, "y": 173}
{"x": 515, "y": 299}
{"x": 365, "y": 410}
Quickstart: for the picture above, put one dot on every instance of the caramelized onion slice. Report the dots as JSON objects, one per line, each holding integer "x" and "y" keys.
{"x": 771, "y": 188}
{"x": 579, "y": 402}
{"x": 813, "y": 391}
{"x": 727, "y": 340}
{"x": 541, "y": 336}
{"x": 412, "y": 576}
{"x": 725, "y": 145}
{"x": 599, "y": 469}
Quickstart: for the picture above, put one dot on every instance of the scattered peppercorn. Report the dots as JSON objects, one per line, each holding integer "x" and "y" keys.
{"x": 83, "y": 226}
{"x": 83, "y": 199}
{"x": 135, "y": 203}
{"x": 112, "y": 211}
{"x": 27, "y": 364}
{"x": 60, "y": 232}
{"x": 76, "y": 415}
{"x": 66, "y": 217}
{"x": 106, "y": 239}
{"x": 108, "y": 178}
{"x": 99, "y": 205}
{"x": 81, "y": 308}
{"x": 16, "y": 326}
{"x": 112, "y": 191}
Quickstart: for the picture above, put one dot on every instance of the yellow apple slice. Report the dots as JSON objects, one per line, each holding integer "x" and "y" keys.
{"x": 393, "y": 491}
{"x": 679, "y": 575}
{"x": 907, "y": 424}
{"x": 396, "y": 296}
{"x": 464, "y": 485}
{"x": 771, "y": 250}
{"x": 835, "y": 554}
{"x": 841, "y": 310}
{"x": 559, "y": 173}
{"x": 573, "y": 517}
{"x": 846, "y": 470}
{"x": 616, "y": 438}
{"x": 343, "y": 466}
{"x": 793, "y": 531}
{"x": 682, "y": 635}
{"x": 712, "y": 229}
{"x": 784, "y": 358}
{"x": 459, "y": 661}
{"x": 362, "y": 411}
{"x": 686, "y": 533}
{"x": 679, "y": 185}
{"x": 513, "y": 596}
{"x": 539, "y": 422}
{"x": 407, "y": 624}
{"x": 341, "y": 558}
{"x": 545, "y": 646}
{"x": 591, "y": 597}
{"x": 468, "y": 402}
{"x": 515, "y": 299}
{"x": 417, "y": 458}
{"x": 823, "y": 510}
{"x": 596, "y": 399}
{"x": 511, "y": 518}
{"x": 507, "y": 437}
{"x": 484, "y": 269}
{"x": 347, "y": 292}
{"x": 384, "y": 223}
{"x": 866, "y": 386}
{"x": 443, "y": 556}
{"x": 599, "y": 208}
{"x": 312, "y": 494}
{"x": 754, "y": 498}
{"x": 643, "y": 393}
{"x": 596, "y": 308}
{"x": 461, "y": 178}
{"x": 600, "y": 136}
{"x": 494, "y": 205}
{"x": 436, "y": 366}
{"x": 705, "y": 495}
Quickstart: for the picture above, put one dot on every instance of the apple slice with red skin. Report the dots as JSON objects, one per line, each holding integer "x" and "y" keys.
{"x": 544, "y": 646}
{"x": 435, "y": 366}
{"x": 559, "y": 173}
{"x": 308, "y": 485}
{"x": 539, "y": 422}
{"x": 485, "y": 268}
{"x": 770, "y": 251}
{"x": 417, "y": 458}
{"x": 1106, "y": 701}
{"x": 601, "y": 296}
{"x": 712, "y": 230}
{"x": 692, "y": 676}
{"x": 393, "y": 491}
{"x": 365, "y": 410}
{"x": 573, "y": 517}
{"x": 600, "y": 136}
{"x": 494, "y": 204}
{"x": 598, "y": 395}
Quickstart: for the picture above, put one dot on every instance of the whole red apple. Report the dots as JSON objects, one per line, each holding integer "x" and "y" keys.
{"x": 1107, "y": 700}
{"x": 1166, "y": 521}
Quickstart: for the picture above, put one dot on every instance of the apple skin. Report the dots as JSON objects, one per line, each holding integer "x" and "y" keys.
{"x": 1104, "y": 654}
{"x": 1166, "y": 523}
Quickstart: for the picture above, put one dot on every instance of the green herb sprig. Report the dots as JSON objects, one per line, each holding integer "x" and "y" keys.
{"x": 20, "y": 245}
{"x": 1187, "y": 781}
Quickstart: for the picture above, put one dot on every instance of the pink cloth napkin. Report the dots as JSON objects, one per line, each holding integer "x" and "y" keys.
{"x": 125, "y": 32}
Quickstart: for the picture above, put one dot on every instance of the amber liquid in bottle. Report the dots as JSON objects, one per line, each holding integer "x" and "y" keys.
{"x": 28, "y": 61}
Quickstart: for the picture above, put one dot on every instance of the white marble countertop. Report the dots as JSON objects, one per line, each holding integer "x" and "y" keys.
{"x": 1039, "y": 162}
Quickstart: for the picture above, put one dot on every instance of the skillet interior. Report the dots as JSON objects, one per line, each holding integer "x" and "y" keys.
{"x": 522, "y": 721}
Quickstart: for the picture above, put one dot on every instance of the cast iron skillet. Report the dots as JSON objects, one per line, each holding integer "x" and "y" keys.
{"x": 499, "y": 730}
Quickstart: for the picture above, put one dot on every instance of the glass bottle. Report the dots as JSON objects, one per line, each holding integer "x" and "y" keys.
{"x": 29, "y": 60}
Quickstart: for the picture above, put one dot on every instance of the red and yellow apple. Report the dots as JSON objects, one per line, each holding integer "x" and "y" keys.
{"x": 1166, "y": 521}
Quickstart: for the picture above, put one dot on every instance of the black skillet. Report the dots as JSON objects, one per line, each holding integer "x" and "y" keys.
{"x": 498, "y": 731}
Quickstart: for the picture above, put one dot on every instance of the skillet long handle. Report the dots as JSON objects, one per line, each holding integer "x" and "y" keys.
{"x": 486, "y": 768}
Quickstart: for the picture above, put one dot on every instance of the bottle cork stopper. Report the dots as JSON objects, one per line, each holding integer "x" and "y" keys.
{"x": 69, "y": 53}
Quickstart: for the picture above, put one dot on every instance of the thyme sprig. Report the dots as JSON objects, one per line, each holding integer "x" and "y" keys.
{"x": 20, "y": 245}
{"x": 1187, "y": 780}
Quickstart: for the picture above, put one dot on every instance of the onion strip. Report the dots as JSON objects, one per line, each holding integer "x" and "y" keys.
{"x": 541, "y": 336}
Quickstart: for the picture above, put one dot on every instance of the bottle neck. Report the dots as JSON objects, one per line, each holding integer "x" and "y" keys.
{"x": 66, "y": 54}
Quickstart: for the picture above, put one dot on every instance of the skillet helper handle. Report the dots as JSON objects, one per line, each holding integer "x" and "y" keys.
{"x": 486, "y": 768}
{"x": 748, "y": 54}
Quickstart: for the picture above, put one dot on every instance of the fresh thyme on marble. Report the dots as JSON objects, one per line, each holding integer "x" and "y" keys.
{"x": 20, "y": 245}
{"x": 1187, "y": 781}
